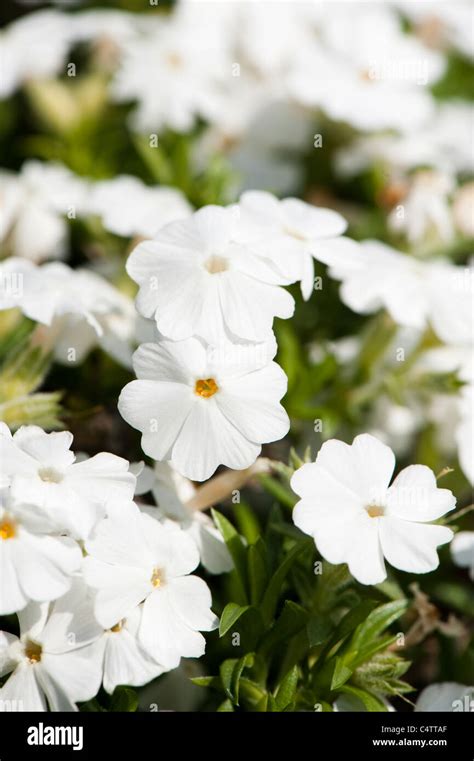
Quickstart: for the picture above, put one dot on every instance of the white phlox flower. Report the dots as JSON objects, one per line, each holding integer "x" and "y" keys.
{"x": 200, "y": 277}
{"x": 133, "y": 559}
{"x": 37, "y": 563}
{"x": 289, "y": 232}
{"x": 356, "y": 517}
{"x": 42, "y": 473}
{"x": 55, "y": 662}
{"x": 128, "y": 207}
{"x": 462, "y": 551}
{"x": 35, "y": 206}
{"x": 201, "y": 407}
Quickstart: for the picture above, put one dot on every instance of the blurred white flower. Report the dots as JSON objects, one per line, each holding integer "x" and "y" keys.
{"x": 43, "y": 473}
{"x": 375, "y": 275}
{"x": 173, "y": 72}
{"x": 443, "y": 142}
{"x": 33, "y": 46}
{"x": 80, "y": 309}
{"x": 35, "y": 205}
{"x": 355, "y": 517}
{"x": 128, "y": 207}
{"x": 52, "y": 664}
{"x": 200, "y": 277}
{"x": 425, "y": 209}
{"x": 463, "y": 209}
{"x": 36, "y": 562}
{"x": 442, "y": 25}
{"x": 446, "y": 696}
{"x": 171, "y": 491}
{"x": 462, "y": 551}
{"x": 289, "y": 233}
{"x": 367, "y": 72}
{"x": 133, "y": 558}
{"x": 202, "y": 407}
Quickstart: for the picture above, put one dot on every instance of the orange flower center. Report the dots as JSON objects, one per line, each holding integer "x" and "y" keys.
{"x": 206, "y": 388}
{"x": 7, "y": 528}
{"x": 375, "y": 511}
{"x": 33, "y": 651}
{"x": 157, "y": 578}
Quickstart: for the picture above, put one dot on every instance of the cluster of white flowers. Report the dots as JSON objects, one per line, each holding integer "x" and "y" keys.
{"x": 102, "y": 588}
{"x": 208, "y": 391}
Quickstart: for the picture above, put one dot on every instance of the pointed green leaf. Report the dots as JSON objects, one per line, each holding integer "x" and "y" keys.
{"x": 230, "y": 615}
{"x": 286, "y": 691}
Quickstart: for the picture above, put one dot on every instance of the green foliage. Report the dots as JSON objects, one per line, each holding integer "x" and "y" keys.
{"x": 23, "y": 369}
{"x": 288, "y": 645}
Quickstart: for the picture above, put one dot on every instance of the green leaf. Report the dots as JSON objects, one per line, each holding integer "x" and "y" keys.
{"x": 370, "y": 701}
{"x": 247, "y": 522}
{"x": 226, "y": 707}
{"x": 318, "y": 630}
{"x": 378, "y": 620}
{"x": 277, "y": 490}
{"x": 257, "y": 570}
{"x": 207, "y": 681}
{"x": 230, "y": 615}
{"x": 270, "y": 598}
{"x": 231, "y": 671}
{"x": 341, "y": 674}
{"x": 235, "y": 546}
{"x": 286, "y": 691}
{"x": 124, "y": 700}
{"x": 292, "y": 619}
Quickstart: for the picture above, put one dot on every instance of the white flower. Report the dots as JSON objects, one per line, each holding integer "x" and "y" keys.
{"x": 355, "y": 517}
{"x": 34, "y": 46}
{"x": 441, "y": 25}
{"x": 446, "y": 696}
{"x": 367, "y": 72}
{"x": 80, "y": 309}
{"x": 43, "y": 473}
{"x": 198, "y": 277}
{"x": 171, "y": 491}
{"x": 463, "y": 209}
{"x": 289, "y": 232}
{"x": 36, "y": 563}
{"x": 173, "y": 71}
{"x": 201, "y": 408}
{"x": 35, "y": 204}
{"x": 120, "y": 657}
{"x": 443, "y": 143}
{"x": 133, "y": 558}
{"x": 129, "y": 207}
{"x": 52, "y": 663}
{"x": 124, "y": 660}
{"x": 425, "y": 209}
{"x": 370, "y": 91}
{"x": 462, "y": 550}
{"x": 375, "y": 275}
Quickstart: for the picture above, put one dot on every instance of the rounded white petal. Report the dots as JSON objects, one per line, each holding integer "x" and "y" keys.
{"x": 412, "y": 546}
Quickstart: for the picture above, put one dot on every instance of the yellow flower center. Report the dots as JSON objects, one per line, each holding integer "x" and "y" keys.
{"x": 174, "y": 60}
{"x": 206, "y": 388}
{"x": 50, "y": 475}
{"x": 157, "y": 578}
{"x": 33, "y": 651}
{"x": 216, "y": 264}
{"x": 118, "y": 627}
{"x": 375, "y": 511}
{"x": 7, "y": 528}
